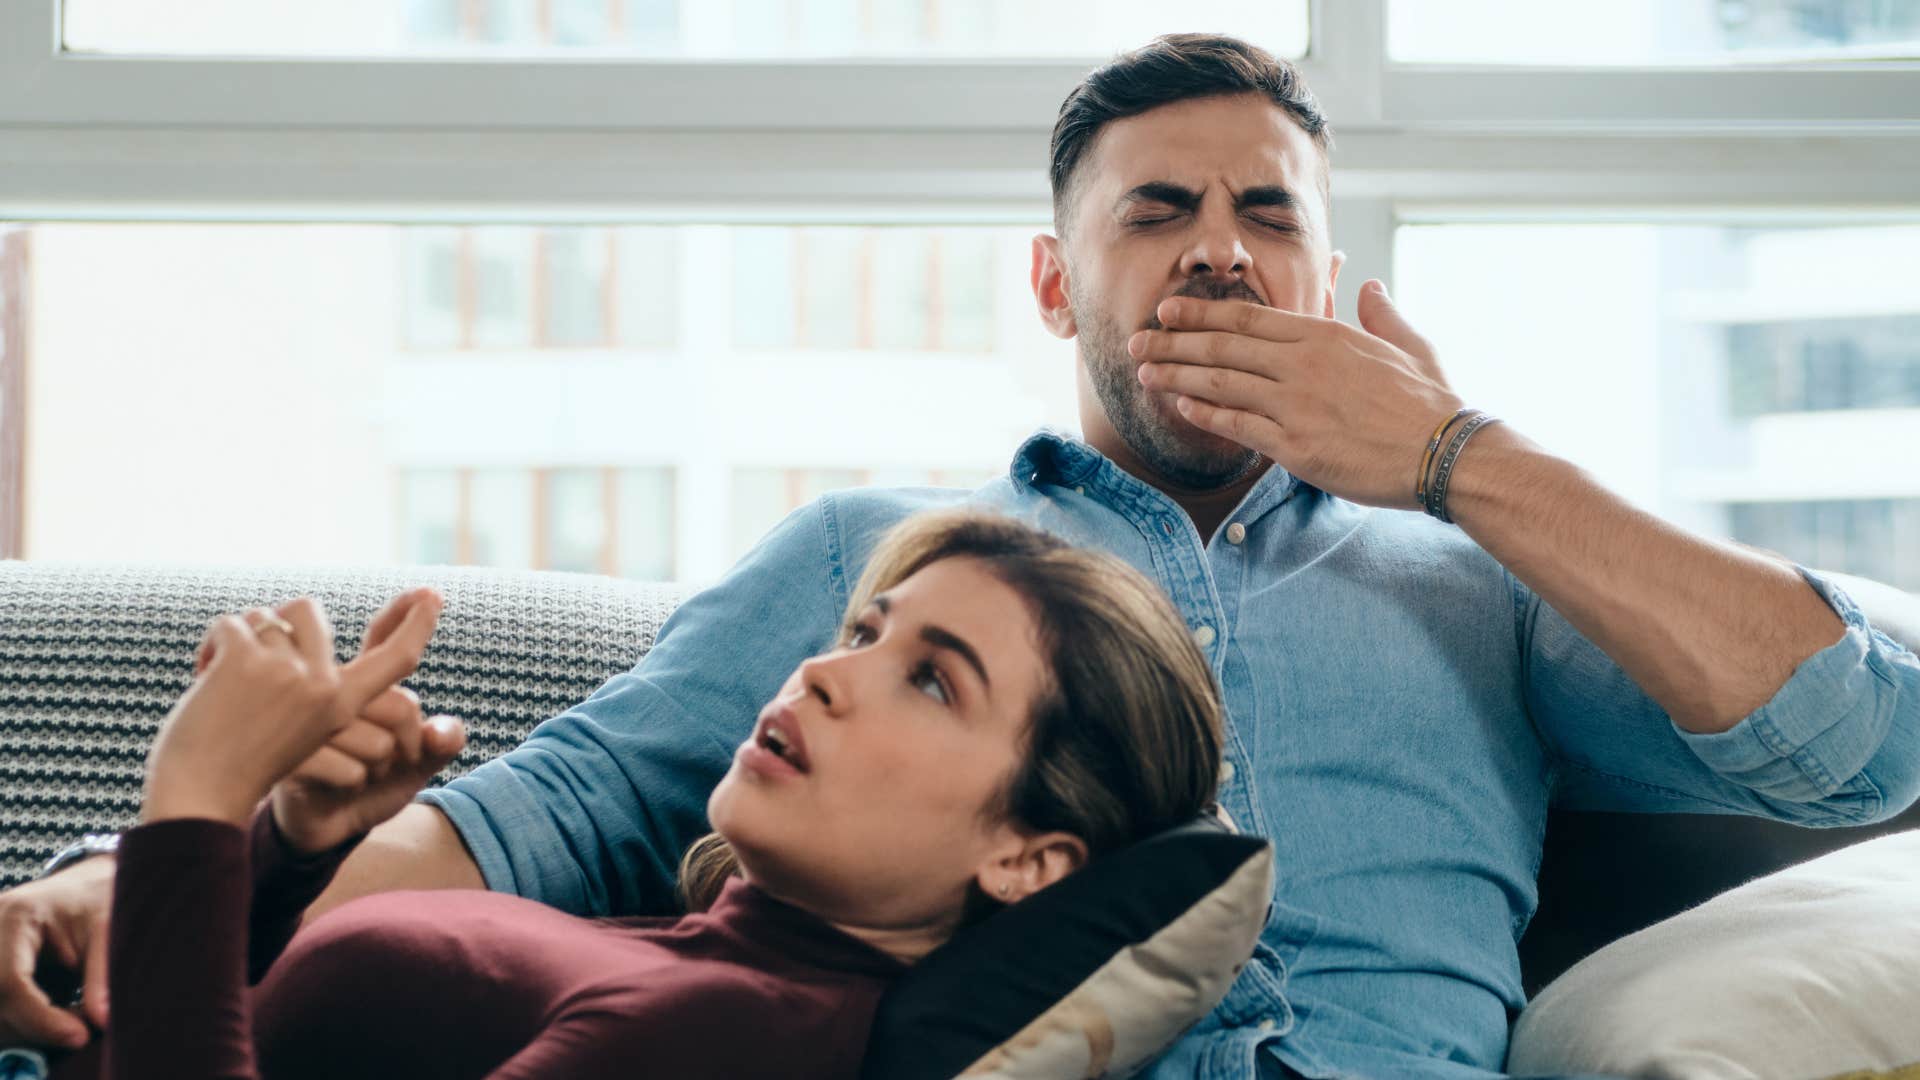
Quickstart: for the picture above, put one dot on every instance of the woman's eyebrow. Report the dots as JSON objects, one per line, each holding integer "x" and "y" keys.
{"x": 940, "y": 637}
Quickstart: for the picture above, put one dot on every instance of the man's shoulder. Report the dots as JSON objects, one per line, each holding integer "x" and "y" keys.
{"x": 856, "y": 518}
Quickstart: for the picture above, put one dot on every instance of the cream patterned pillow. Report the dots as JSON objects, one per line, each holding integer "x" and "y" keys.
{"x": 1810, "y": 972}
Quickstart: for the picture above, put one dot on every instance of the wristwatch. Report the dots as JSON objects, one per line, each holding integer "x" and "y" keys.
{"x": 86, "y": 848}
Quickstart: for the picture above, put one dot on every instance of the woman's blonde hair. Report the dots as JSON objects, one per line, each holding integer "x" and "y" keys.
{"x": 1123, "y": 740}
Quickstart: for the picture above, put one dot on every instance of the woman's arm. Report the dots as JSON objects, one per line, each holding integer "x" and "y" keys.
{"x": 267, "y": 697}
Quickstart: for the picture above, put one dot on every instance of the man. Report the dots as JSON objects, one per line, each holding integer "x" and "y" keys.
{"x": 1405, "y": 697}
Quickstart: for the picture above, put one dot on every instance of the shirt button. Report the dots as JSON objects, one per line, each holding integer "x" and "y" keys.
{"x": 1268, "y": 1024}
{"x": 1203, "y": 636}
{"x": 1226, "y": 771}
{"x": 1079, "y": 490}
{"x": 1236, "y": 532}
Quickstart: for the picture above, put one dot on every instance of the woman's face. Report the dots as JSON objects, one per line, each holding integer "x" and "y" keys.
{"x": 861, "y": 793}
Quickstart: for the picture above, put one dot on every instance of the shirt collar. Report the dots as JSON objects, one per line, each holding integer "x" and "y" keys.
{"x": 1054, "y": 457}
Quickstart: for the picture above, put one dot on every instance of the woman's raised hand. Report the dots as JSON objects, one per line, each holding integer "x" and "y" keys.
{"x": 371, "y": 770}
{"x": 268, "y": 696}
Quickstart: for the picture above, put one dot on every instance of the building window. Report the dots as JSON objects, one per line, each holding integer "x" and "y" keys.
{"x": 513, "y": 287}
{"x": 609, "y": 520}
{"x": 1873, "y": 538}
{"x": 1809, "y": 365}
{"x": 872, "y": 288}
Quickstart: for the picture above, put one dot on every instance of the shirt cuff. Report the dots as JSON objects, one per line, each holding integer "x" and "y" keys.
{"x": 1812, "y": 741}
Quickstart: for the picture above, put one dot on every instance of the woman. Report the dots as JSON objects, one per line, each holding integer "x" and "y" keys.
{"x": 999, "y": 709}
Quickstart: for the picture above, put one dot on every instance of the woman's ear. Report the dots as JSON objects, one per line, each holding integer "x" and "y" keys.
{"x": 1050, "y": 291}
{"x": 1036, "y": 862}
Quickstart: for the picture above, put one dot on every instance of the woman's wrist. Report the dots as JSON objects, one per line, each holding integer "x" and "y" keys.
{"x": 167, "y": 800}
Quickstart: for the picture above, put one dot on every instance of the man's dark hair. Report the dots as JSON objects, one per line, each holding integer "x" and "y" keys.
{"x": 1170, "y": 68}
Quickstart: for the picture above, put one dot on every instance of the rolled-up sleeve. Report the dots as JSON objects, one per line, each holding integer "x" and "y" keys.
{"x": 1837, "y": 744}
{"x": 1844, "y": 730}
{"x": 593, "y": 811}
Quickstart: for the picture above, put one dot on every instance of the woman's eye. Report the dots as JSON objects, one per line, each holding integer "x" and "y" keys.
{"x": 859, "y": 635}
{"x": 926, "y": 676}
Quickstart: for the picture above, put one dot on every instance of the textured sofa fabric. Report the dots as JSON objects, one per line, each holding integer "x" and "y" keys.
{"x": 92, "y": 656}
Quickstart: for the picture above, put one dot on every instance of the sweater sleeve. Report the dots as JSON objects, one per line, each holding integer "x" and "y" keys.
{"x": 177, "y": 943}
{"x": 285, "y": 883}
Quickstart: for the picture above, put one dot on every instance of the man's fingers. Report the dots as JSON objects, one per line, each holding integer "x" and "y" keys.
{"x": 397, "y": 710}
{"x": 1221, "y": 386}
{"x": 25, "y": 1010}
{"x": 333, "y": 768}
{"x": 394, "y": 658}
{"x": 1214, "y": 348}
{"x": 444, "y": 738}
{"x": 93, "y": 999}
{"x": 372, "y": 744}
{"x": 1381, "y": 317}
{"x": 1236, "y": 317}
{"x": 1249, "y": 429}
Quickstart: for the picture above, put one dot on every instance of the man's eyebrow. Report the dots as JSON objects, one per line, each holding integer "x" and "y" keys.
{"x": 1272, "y": 195}
{"x": 1163, "y": 191}
{"x": 943, "y": 639}
{"x": 947, "y": 639}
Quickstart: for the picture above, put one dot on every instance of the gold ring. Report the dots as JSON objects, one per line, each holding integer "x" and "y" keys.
{"x": 270, "y": 621}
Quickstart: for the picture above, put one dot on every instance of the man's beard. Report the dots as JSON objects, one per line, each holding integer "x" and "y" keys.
{"x": 1185, "y": 456}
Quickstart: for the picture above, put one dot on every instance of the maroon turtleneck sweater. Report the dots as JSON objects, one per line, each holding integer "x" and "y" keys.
{"x": 457, "y": 983}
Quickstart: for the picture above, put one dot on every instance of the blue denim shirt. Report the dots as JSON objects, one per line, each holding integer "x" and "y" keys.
{"x": 1402, "y": 711}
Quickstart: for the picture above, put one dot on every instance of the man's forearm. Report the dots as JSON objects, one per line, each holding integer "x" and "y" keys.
{"x": 418, "y": 849}
{"x": 1710, "y": 631}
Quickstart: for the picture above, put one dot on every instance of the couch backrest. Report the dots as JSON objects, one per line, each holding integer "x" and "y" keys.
{"x": 92, "y": 656}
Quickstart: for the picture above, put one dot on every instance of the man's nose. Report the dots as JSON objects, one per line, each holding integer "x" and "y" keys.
{"x": 1216, "y": 251}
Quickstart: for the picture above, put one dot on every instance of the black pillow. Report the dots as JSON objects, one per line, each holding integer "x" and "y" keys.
{"x": 1196, "y": 896}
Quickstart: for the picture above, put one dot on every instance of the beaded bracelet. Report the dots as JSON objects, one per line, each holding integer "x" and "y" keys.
{"x": 1443, "y": 470}
{"x": 1426, "y": 460}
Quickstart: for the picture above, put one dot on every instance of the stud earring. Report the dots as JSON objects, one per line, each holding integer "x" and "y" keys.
{"x": 1006, "y": 889}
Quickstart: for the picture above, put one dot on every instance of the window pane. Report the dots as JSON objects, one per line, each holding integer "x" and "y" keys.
{"x": 1650, "y": 32}
{"x": 384, "y": 451}
{"x": 718, "y": 29}
{"x": 901, "y": 302}
{"x": 576, "y": 286}
{"x": 502, "y": 287}
{"x": 835, "y": 281}
{"x": 432, "y": 298}
{"x": 576, "y": 520}
{"x": 646, "y": 524}
{"x": 764, "y": 287}
{"x": 648, "y": 286}
{"x": 1759, "y": 383}
{"x": 500, "y": 518}
{"x": 966, "y": 290}
{"x": 430, "y": 516}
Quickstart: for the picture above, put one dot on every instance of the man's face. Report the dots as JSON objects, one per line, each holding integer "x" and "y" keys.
{"x": 1214, "y": 197}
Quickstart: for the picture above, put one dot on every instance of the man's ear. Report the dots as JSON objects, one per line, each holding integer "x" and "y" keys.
{"x": 1030, "y": 863}
{"x": 1050, "y": 292}
{"x": 1334, "y": 262}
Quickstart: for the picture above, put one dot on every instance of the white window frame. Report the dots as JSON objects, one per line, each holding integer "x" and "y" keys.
{"x": 143, "y": 138}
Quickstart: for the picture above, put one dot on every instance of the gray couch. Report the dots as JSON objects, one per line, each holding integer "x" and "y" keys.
{"x": 91, "y": 657}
